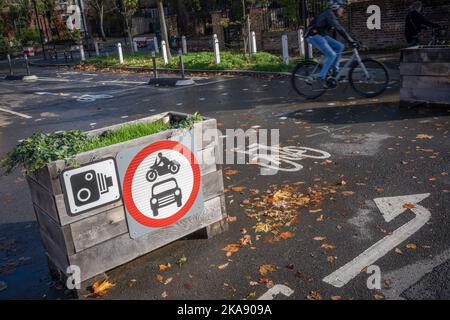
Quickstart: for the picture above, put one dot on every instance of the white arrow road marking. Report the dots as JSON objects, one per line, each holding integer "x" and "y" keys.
{"x": 23, "y": 115}
{"x": 276, "y": 290}
{"x": 390, "y": 208}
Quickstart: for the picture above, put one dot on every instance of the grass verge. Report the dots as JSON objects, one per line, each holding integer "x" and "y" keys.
{"x": 262, "y": 61}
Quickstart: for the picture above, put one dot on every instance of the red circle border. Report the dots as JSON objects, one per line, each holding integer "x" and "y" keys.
{"x": 131, "y": 170}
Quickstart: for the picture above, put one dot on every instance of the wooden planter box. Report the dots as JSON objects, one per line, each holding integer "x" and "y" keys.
{"x": 424, "y": 75}
{"x": 98, "y": 240}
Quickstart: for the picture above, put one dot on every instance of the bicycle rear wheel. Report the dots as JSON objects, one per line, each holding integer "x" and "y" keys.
{"x": 370, "y": 79}
{"x": 305, "y": 78}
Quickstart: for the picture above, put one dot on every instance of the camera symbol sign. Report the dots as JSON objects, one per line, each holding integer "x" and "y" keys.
{"x": 161, "y": 184}
{"x": 91, "y": 186}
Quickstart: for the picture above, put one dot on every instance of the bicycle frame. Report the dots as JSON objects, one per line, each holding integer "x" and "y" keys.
{"x": 356, "y": 58}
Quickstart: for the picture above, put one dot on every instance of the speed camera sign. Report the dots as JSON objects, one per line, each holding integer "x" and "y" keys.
{"x": 91, "y": 186}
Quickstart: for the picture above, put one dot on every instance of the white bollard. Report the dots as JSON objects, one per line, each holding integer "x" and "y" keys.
{"x": 164, "y": 52}
{"x": 82, "y": 53}
{"x": 97, "y": 51}
{"x": 285, "y": 47}
{"x": 310, "y": 50}
{"x": 155, "y": 43}
{"x": 119, "y": 50}
{"x": 301, "y": 43}
{"x": 253, "y": 46}
{"x": 135, "y": 46}
{"x": 184, "y": 44}
{"x": 216, "y": 49}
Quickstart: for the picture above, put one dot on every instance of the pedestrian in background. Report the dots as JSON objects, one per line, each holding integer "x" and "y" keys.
{"x": 415, "y": 22}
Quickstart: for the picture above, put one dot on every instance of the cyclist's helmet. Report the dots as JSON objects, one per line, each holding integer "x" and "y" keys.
{"x": 336, "y": 4}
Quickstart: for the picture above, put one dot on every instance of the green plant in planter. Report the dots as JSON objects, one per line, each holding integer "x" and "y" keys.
{"x": 34, "y": 152}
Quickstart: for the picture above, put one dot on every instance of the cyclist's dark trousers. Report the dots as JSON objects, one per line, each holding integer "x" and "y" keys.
{"x": 332, "y": 50}
{"x": 413, "y": 40}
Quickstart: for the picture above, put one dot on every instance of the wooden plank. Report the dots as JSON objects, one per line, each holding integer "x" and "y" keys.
{"x": 425, "y": 69}
{"x": 66, "y": 219}
{"x": 426, "y": 82}
{"x": 58, "y": 257}
{"x": 42, "y": 198}
{"x": 61, "y": 236}
{"x": 122, "y": 249}
{"x": 221, "y": 226}
{"x": 431, "y": 55}
{"x": 425, "y": 95}
{"x": 99, "y": 228}
{"x": 91, "y": 231}
{"x": 48, "y": 177}
{"x": 207, "y": 160}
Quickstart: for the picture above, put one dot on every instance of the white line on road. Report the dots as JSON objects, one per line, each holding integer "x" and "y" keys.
{"x": 390, "y": 208}
{"x": 326, "y": 130}
{"x": 276, "y": 290}
{"x": 16, "y": 113}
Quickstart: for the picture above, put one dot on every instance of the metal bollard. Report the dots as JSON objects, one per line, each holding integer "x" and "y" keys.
{"x": 180, "y": 52}
{"x": 97, "y": 51}
{"x": 253, "y": 43}
{"x": 184, "y": 44}
{"x": 26, "y": 64}
{"x": 164, "y": 52}
{"x": 301, "y": 43}
{"x": 82, "y": 53}
{"x": 119, "y": 49}
{"x": 310, "y": 51}
{"x": 216, "y": 49}
{"x": 155, "y": 71}
{"x": 285, "y": 48}
{"x": 10, "y": 65}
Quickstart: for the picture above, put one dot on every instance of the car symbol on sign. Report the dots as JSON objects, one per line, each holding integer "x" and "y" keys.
{"x": 165, "y": 193}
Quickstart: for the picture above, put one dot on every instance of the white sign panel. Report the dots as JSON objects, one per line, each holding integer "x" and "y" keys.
{"x": 161, "y": 185}
{"x": 91, "y": 186}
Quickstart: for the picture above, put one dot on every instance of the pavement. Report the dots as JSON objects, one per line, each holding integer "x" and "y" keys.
{"x": 374, "y": 148}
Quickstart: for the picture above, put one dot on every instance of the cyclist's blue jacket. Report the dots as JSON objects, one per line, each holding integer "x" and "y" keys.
{"x": 323, "y": 23}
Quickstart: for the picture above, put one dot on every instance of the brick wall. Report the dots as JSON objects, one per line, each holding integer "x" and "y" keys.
{"x": 393, "y": 15}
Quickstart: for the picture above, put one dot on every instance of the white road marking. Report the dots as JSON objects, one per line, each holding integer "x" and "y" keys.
{"x": 23, "y": 115}
{"x": 391, "y": 208}
{"x": 276, "y": 290}
{"x": 326, "y": 130}
{"x": 403, "y": 278}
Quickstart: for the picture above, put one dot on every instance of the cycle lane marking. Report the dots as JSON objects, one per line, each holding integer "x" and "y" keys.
{"x": 390, "y": 207}
{"x": 276, "y": 290}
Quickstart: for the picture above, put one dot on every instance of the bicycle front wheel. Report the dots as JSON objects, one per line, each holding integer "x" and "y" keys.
{"x": 370, "y": 78}
{"x": 305, "y": 80}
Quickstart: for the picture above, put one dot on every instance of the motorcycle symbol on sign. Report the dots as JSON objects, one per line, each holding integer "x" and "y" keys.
{"x": 165, "y": 192}
{"x": 162, "y": 166}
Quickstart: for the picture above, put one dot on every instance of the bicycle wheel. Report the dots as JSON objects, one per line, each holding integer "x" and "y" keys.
{"x": 305, "y": 78}
{"x": 370, "y": 79}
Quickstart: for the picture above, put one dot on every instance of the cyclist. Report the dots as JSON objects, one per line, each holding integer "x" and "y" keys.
{"x": 317, "y": 35}
{"x": 414, "y": 24}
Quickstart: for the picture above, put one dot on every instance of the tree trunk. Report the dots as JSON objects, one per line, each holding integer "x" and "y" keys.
{"x": 101, "y": 18}
{"x": 162, "y": 21}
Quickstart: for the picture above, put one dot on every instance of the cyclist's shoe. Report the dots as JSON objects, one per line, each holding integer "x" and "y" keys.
{"x": 334, "y": 73}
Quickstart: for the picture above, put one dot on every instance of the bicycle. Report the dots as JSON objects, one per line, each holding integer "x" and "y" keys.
{"x": 368, "y": 77}
{"x": 438, "y": 37}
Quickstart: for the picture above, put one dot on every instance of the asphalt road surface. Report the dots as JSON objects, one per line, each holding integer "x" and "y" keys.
{"x": 371, "y": 149}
